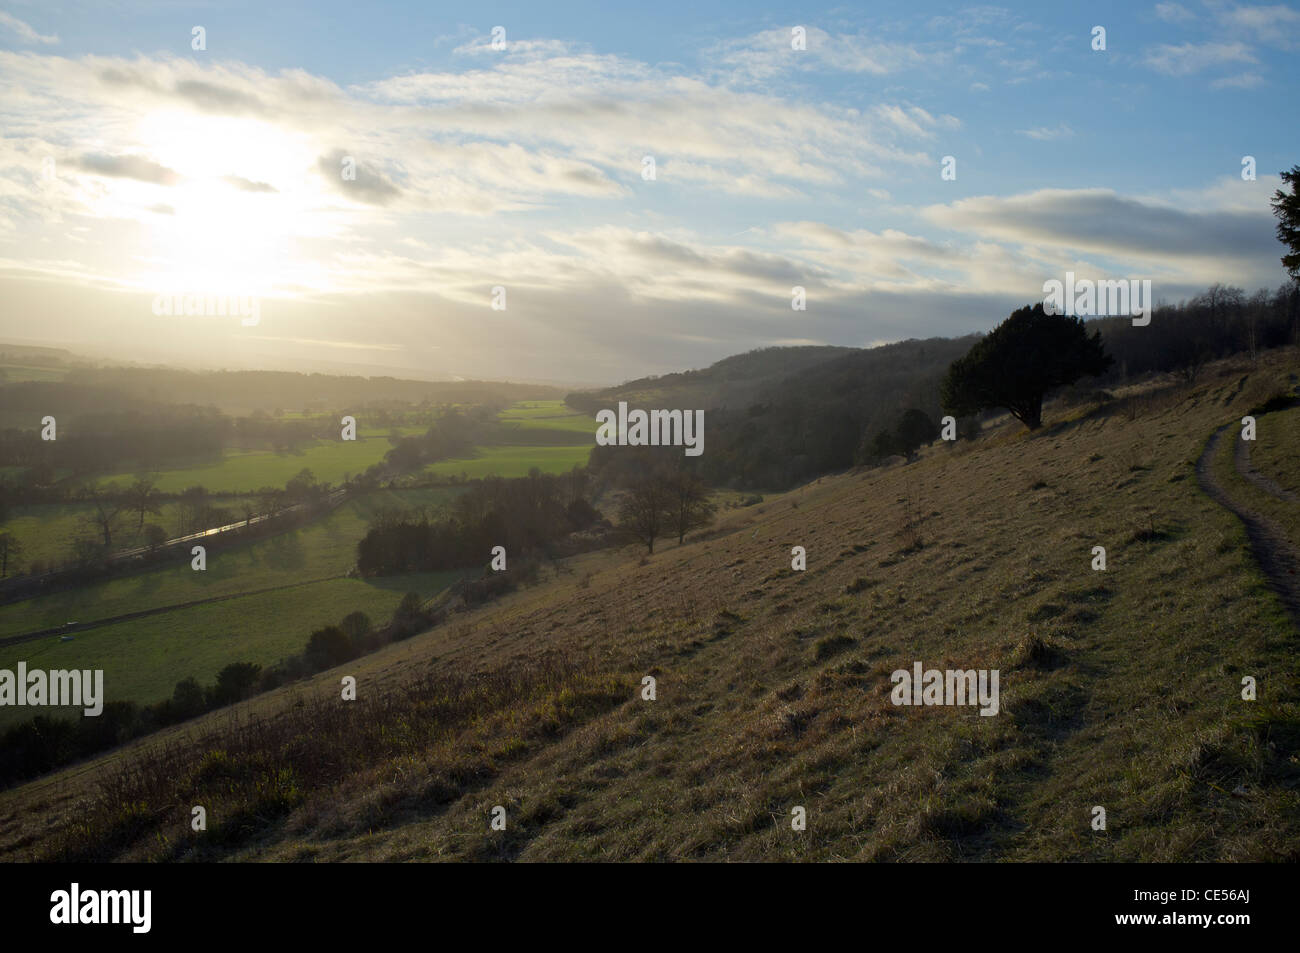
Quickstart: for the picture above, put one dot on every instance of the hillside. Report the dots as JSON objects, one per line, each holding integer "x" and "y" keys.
{"x": 1119, "y": 689}
{"x": 732, "y": 381}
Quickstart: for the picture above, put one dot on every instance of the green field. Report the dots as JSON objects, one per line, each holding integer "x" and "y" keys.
{"x": 538, "y": 433}
{"x": 46, "y": 531}
{"x": 17, "y": 373}
{"x": 243, "y": 471}
{"x": 549, "y": 415}
{"x": 325, "y": 548}
{"x": 543, "y": 434}
{"x": 512, "y": 461}
{"x": 143, "y": 659}
{"x": 144, "y": 654}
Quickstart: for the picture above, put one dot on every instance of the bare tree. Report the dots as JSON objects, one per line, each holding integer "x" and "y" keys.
{"x": 646, "y": 509}
{"x": 102, "y": 519}
{"x": 142, "y": 498}
{"x": 689, "y": 506}
{"x": 271, "y": 500}
{"x": 1190, "y": 356}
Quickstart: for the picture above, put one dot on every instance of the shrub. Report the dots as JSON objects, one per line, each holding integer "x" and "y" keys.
{"x": 235, "y": 682}
{"x": 328, "y": 647}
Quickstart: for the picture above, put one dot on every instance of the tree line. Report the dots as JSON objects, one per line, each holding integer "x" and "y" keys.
{"x": 525, "y": 515}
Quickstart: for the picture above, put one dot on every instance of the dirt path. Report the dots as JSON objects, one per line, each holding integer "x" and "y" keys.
{"x": 1273, "y": 550}
{"x": 1245, "y": 468}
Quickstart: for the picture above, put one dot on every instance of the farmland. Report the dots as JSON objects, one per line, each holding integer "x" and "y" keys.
{"x": 47, "y": 532}
{"x": 304, "y": 566}
{"x": 244, "y": 471}
{"x": 143, "y": 659}
{"x": 545, "y": 434}
{"x": 256, "y": 601}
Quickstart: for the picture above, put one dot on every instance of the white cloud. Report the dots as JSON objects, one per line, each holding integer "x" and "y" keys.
{"x": 1188, "y": 58}
{"x": 1174, "y": 13}
{"x": 523, "y": 169}
{"x": 1276, "y": 25}
{"x": 25, "y": 32}
{"x": 1048, "y": 133}
{"x": 1224, "y": 231}
{"x": 769, "y": 53}
{"x": 1240, "y": 81}
{"x": 915, "y": 121}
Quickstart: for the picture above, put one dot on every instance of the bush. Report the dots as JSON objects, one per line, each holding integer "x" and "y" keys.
{"x": 235, "y": 682}
{"x": 328, "y": 647}
{"x": 356, "y": 626}
{"x": 188, "y": 699}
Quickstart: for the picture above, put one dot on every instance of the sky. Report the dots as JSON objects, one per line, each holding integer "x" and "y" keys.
{"x": 593, "y": 192}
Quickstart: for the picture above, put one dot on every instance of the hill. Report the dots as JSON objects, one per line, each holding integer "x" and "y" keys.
{"x": 732, "y": 381}
{"x": 1120, "y": 689}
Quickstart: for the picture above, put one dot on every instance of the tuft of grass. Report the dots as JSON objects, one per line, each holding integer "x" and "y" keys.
{"x": 832, "y": 645}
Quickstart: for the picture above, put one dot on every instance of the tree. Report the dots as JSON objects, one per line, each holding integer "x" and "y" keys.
{"x": 88, "y": 552}
{"x": 1019, "y": 362}
{"x": 328, "y": 647}
{"x": 688, "y": 503}
{"x": 154, "y": 536}
{"x": 303, "y": 486}
{"x": 235, "y": 682}
{"x": 272, "y": 500}
{"x": 645, "y": 509}
{"x": 1287, "y": 209}
{"x": 9, "y": 548}
{"x": 877, "y": 448}
{"x": 102, "y": 519}
{"x": 1189, "y": 355}
{"x": 408, "y": 616}
{"x": 356, "y": 625}
{"x": 142, "y": 497}
{"x": 914, "y": 429}
{"x": 188, "y": 698}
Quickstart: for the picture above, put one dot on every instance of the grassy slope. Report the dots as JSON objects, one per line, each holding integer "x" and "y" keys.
{"x": 1119, "y": 689}
{"x": 1274, "y": 455}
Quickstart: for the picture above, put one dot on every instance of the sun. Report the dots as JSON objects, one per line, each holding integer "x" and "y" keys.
{"x": 237, "y": 217}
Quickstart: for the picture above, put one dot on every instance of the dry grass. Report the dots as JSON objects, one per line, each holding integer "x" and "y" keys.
{"x": 1119, "y": 688}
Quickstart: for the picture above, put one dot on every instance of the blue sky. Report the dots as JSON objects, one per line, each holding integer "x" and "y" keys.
{"x": 133, "y": 166}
